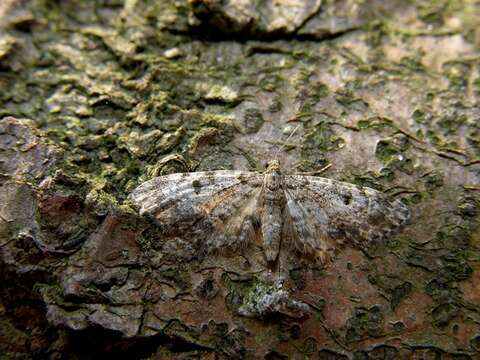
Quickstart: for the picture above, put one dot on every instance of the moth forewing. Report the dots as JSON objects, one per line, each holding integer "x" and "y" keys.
{"x": 236, "y": 231}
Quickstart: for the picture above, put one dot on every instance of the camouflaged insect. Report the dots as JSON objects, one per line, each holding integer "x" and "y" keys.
{"x": 231, "y": 209}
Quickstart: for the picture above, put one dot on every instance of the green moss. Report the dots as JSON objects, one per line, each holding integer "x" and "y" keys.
{"x": 309, "y": 92}
{"x": 451, "y": 124}
{"x": 473, "y": 139}
{"x": 476, "y": 85}
{"x": 310, "y": 346}
{"x": 318, "y": 141}
{"x": 413, "y": 63}
{"x": 457, "y": 74}
{"x": 419, "y": 116}
{"x": 454, "y": 236}
{"x": 433, "y": 180}
{"x": 169, "y": 141}
{"x": 399, "y": 293}
{"x": 255, "y": 295}
{"x": 443, "y": 314}
{"x": 252, "y": 120}
{"x": 416, "y": 198}
{"x": 222, "y": 94}
{"x": 393, "y": 152}
{"x": 386, "y": 152}
{"x": 364, "y": 322}
{"x": 350, "y": 101}
{"x": 468, "y": 208}
{"x": 170, "y": 164}
{"x": 374, "y": 123}
{"x": 224, "y": 124}
{"x": 271, "y": 82}
{"x": 432, "y": 12}
{"x": 456, "y": 267}
{"x": 276, "y": 104}
{"x": 101, "y": 201}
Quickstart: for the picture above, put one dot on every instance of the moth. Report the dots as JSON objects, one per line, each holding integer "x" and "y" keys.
{"x": 232, "y": 209}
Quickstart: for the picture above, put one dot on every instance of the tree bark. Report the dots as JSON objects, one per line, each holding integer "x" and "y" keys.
{"x": 98, "y": 97}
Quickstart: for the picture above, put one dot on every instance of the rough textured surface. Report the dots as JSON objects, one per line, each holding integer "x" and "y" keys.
{"x": 119, "y": 92}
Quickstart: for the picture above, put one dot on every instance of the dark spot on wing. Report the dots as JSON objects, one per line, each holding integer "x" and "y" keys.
{"x": 351, "y": 230}
{"x": 305, "y": 181}
{"x": 291, "y": 186}
{"x": 337, "y": 233}
{"x": 347, "y": 198}
{"x": 196, "y": 186}
{"x": 376, "y": 218}
{"x": 242, "y": 178}
{"x": 256, "y": 221}
{"x": 224, "y": 216}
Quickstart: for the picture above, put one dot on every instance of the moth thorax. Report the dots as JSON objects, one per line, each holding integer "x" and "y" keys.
{"x": 273, "y": 180}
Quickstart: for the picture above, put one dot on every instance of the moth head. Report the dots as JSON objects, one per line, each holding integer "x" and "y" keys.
{"x": 273, "y": 165}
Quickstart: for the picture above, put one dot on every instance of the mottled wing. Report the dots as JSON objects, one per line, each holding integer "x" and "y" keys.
{"x": 218, "y": 206}
{"x": 326, "y": 213}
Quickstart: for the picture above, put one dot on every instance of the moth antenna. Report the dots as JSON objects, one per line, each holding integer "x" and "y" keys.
{"x": 288, "y": 138}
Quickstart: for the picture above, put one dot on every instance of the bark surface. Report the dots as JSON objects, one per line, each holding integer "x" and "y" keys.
{"x": 97, "y": 97}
